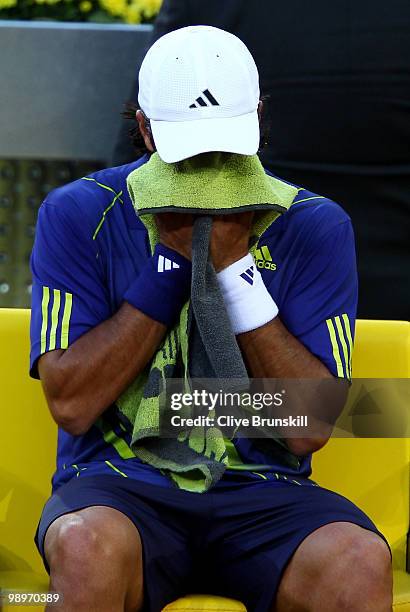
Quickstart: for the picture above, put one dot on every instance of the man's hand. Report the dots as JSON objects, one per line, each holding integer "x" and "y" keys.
{"x": 175, "y": 232}
{"x": 230, "y": 238}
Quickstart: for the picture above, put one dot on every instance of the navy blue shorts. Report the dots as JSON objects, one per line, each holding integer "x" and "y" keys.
{"x": 234, "y": 541}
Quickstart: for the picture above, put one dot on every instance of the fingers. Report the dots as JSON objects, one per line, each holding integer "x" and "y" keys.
{"x": 175, "y": 231}
{"x": 229, "y": 239}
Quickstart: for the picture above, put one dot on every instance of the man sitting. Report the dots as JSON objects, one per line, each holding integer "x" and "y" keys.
{"x": 119, "y": 533}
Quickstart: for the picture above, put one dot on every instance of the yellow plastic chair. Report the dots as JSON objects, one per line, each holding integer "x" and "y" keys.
{"x": 27, "y": 459}
{"x": 373, "y": 473}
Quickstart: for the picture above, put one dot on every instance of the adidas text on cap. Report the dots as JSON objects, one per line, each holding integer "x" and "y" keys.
{"x": 199, "y": 86}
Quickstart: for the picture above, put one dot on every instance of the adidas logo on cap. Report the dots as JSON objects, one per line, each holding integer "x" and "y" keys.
{"x": 166, "y": 264}
{"x": 208, "y": 100}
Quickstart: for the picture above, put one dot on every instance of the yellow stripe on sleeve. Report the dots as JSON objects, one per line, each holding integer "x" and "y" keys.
{"x": 65, "y": 327}
{"x": 335, "y": 347}
{"x": 54, "y": 318}
{"x": 344, "y": 345}
{"x": 44, "y": 319}
{"x": 346, "y": 321}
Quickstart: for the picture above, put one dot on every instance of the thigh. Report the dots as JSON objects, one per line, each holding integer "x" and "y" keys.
{"x": 166, "y": 552}
{"x": 258, "y": 529}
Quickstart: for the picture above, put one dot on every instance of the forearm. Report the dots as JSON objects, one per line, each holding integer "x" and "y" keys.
{"x": 91, "y": 374}
{"x": 272, "y": 352}
{"x": 81, "y": 382}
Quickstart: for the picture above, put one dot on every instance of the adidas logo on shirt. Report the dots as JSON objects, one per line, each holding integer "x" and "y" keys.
{"x": 248, "y": 275}
{"x": 207, "y": 99}
{"x": 166, "y": 264}
{"x": 263, "y": 259}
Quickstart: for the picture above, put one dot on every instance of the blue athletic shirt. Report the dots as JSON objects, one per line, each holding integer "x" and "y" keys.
{"x": 90, "y": 246}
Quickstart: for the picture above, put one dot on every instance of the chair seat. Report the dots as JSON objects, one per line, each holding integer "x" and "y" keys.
{"x": 191, "y": 603}
{"x": 21, "y": 580}
{"x": 205, "y": 603}
{"x": 401, "y": 582}
{"x": 28, "y": 582}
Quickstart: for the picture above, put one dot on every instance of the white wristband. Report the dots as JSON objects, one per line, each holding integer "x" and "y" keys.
{"x": 248, "y": 302}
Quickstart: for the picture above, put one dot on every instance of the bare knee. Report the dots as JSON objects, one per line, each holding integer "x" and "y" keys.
{"x": 71, "y": 542}
{"x": 93, "y": 554}
{"x": 368, "y": 555}
{"x": 343, "y": 565}
{"x": 365, "y": 565}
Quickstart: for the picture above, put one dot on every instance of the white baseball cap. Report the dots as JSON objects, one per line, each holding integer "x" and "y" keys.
{"x": 199, "y": 86}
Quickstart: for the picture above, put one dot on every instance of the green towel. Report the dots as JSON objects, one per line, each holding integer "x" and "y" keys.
{"x": 213, "y": 182}
{"x": 218, "y": 185}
